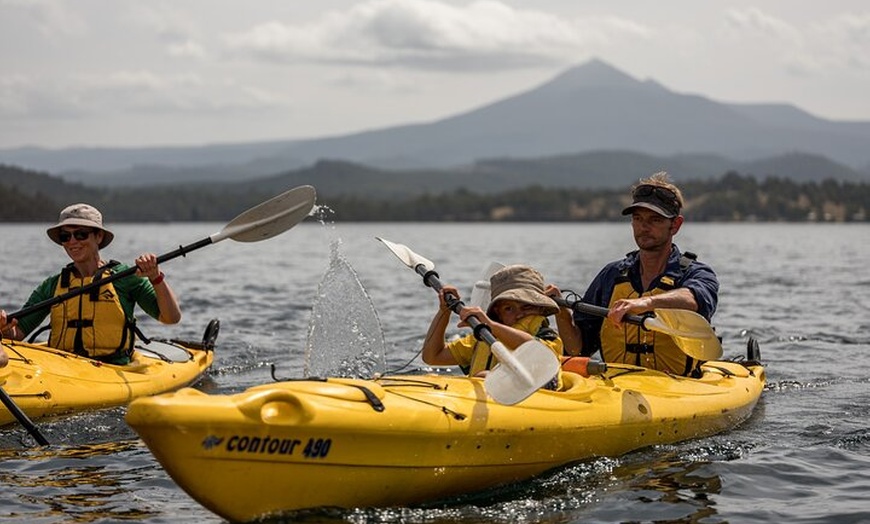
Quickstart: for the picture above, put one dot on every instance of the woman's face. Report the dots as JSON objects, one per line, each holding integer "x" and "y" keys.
{"x": 81, "y": 243}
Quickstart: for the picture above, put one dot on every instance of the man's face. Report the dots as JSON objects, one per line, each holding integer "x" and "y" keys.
{"x": 652, "y": 231}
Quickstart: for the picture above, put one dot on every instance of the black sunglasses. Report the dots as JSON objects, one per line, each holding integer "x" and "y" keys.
{"x": 659, "y": 191}
{"x": 79, "y": 234}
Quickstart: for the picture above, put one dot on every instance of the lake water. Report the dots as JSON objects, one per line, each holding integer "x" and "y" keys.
{"x": 802, "y": 289}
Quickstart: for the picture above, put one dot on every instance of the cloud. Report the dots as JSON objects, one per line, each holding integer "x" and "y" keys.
{"x": 848, "y": 38}
{"x": 128, "y": 92}
{"x": 186, "y": 49}
{"x": 21, "y": 98}
{"x": 755, "y": 21}
{"x": 146, "y": 91}
{"x": 378, "y": 81}
{"x": 167, "y": 23}
{"x": 427, "y": 34}
{"x": 838, "y": 42}
{"x": 174, "y": 29}
{"x": 49, "y": 18}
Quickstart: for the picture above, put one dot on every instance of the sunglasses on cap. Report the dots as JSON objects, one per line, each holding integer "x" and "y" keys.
{"x": 79, "y": 234}
{"x": 659, "y": 196}
{"x": 659, "y": 191}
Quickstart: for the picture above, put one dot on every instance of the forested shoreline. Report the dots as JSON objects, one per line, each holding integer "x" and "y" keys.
{"x": 733, "y": 197}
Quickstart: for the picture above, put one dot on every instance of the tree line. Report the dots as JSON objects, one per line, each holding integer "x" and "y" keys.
{"x": 35, "y": 197}
{"x": 731, "y": 198}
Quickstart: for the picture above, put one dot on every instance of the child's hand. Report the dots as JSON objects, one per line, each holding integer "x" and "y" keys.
{"x": 472, "y": 311}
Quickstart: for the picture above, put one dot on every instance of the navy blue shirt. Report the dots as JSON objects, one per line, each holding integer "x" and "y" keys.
{"x": 698, "y": 277}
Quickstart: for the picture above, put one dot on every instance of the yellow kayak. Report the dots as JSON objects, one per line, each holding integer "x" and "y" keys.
{"x": 45, "y": 382}
{"x": 405, "y": 440}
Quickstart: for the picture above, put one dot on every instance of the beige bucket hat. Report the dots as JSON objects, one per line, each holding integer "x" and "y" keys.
{"x": 523, "y": 284}
{"x": 80, "y": 215}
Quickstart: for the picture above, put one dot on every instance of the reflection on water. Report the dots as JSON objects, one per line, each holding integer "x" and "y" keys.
{"x": 673, "y": 489}
{"x": 660, "y": 482}
{"x": 74, "y": 483}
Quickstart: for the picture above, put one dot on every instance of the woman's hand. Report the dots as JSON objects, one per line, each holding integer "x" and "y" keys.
{"x": 8, "y": 329}
{"x": 146, "y": 266}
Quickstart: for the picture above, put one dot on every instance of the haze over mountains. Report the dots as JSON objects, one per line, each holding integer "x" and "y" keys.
{"x": 589, "y": 108}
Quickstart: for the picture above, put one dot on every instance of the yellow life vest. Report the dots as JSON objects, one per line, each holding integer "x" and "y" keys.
{"x": 631, "y": 344}
{"x": 475, "y": 355}
{"x": 92, "y": 324}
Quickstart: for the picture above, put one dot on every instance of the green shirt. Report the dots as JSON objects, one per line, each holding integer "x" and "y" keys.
{"x": 131, "y": 290}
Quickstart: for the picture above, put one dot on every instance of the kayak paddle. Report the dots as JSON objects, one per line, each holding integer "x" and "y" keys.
{"x": 262, "y": 221}
{"x": 691, "y": 332}
{"x": 521, "y": 371}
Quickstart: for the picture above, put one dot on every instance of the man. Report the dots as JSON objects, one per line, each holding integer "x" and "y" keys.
{"x": 657, "y": 275}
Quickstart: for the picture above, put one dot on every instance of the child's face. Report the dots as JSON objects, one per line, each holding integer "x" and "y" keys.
{"x": 510, "y": 311}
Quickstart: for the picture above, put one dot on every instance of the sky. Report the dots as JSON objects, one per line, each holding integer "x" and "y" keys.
{"x": 133, "y": 73}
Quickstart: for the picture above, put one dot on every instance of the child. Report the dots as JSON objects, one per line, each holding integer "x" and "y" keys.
{"x": 517, "y": 313}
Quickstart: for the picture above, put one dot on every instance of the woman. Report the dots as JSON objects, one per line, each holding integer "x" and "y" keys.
{"x": 100, "y": 323}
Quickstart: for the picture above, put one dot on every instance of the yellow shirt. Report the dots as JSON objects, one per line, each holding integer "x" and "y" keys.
{"x": 475, "y": 356}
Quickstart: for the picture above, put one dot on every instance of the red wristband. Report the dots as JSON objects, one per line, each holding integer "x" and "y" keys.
{"x": 158, "y": 280}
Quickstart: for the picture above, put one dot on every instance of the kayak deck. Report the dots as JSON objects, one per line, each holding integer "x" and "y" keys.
{"x": 403, "y": 440}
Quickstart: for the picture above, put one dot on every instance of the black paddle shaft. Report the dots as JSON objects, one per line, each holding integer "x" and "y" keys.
{"x": 481, "y": 330}
{"x": 181, "y": 251}
{"x": 583, "y": 307}
{"x": 22, "y": 418}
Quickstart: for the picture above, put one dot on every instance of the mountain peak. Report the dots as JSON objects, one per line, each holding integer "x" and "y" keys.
{"x": 594, "y": 73}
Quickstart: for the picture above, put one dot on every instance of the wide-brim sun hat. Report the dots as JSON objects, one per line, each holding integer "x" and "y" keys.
{"x": 523, "y": 284}
{"x": 83, "y": 215}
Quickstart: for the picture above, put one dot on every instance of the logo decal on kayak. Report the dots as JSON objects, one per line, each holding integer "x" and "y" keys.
{"x": 314, "y": 448}
{"x": 211, "y": 441}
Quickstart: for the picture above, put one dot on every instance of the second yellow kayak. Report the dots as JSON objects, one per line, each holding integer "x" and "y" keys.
{"x": 403, "y": 440}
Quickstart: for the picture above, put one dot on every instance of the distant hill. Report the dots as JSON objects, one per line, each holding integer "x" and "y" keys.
{"x": 588, "y": 108}
{"x": 594, "y": 170}
{"x": 30, "y": 196}
{"x": 338, "y": 178}
{"x": 357, "y": 193}
{"x": 147, "y": 165}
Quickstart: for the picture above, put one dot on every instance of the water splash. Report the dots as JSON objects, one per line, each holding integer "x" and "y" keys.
{"x": 345, "y": 337}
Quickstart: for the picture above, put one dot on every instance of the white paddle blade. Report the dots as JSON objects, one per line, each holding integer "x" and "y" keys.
{"x": 480, "y": 293}
{"x": 690, "y": 331}
{"x": 520, "y": 372}
{"x": 408, "y": 257}
{"x": 270, "y": 218}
